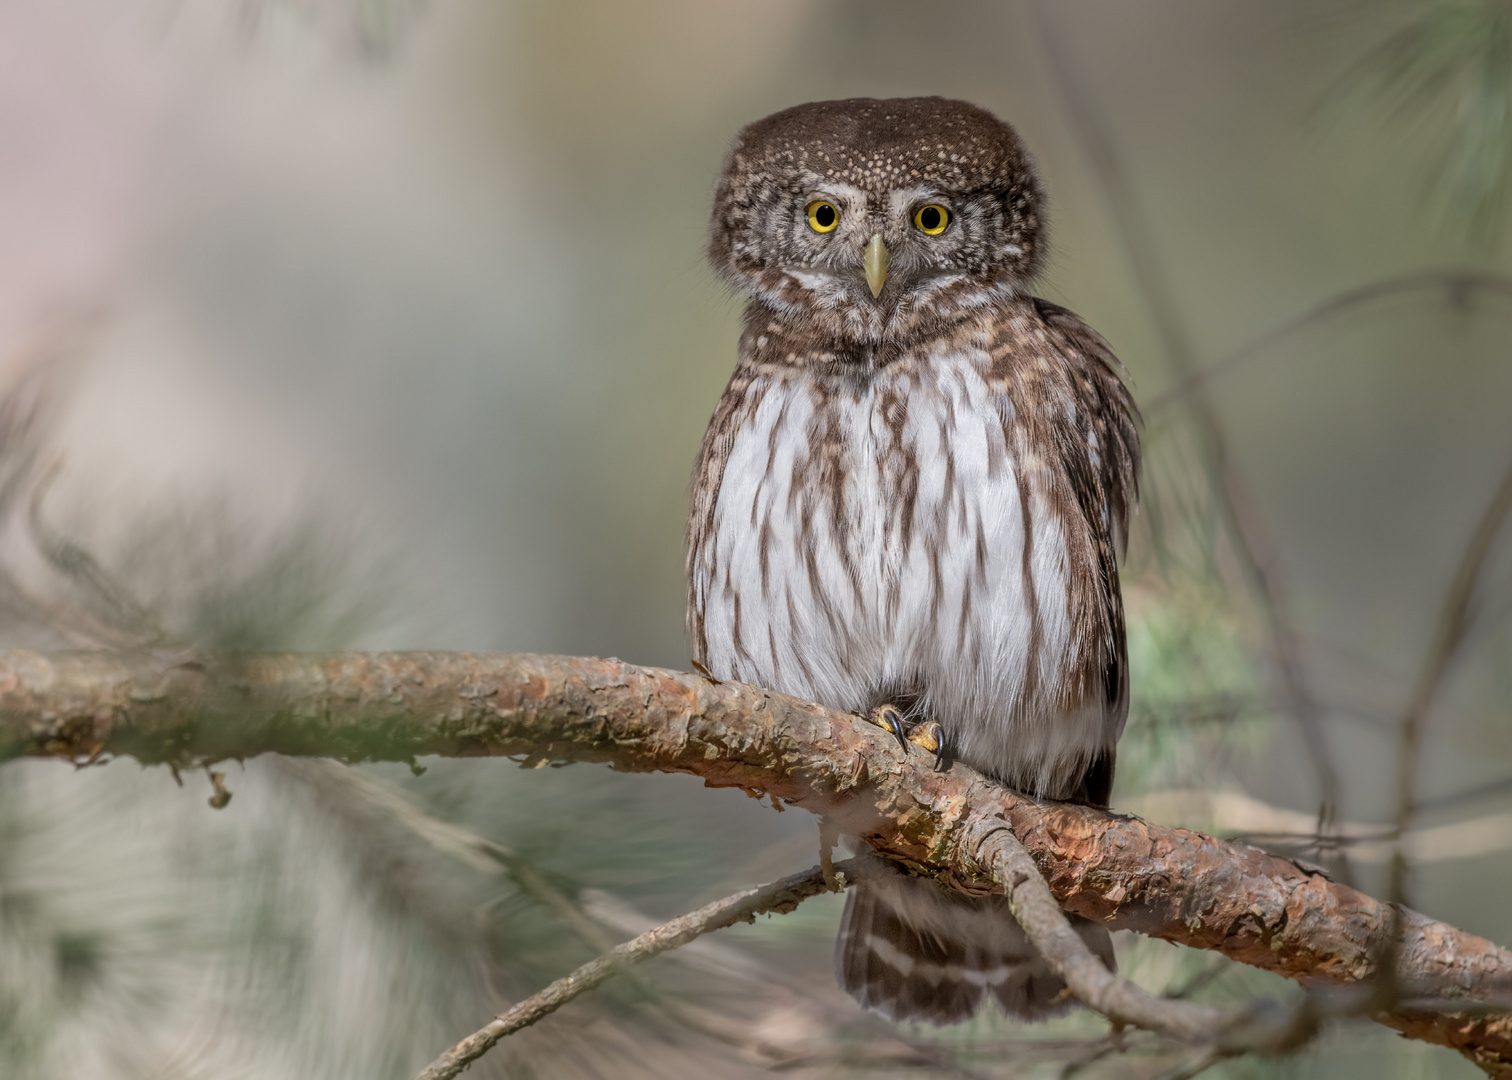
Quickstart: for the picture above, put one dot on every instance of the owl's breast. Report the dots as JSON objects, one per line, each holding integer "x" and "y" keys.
{"x": 884, "y": 536}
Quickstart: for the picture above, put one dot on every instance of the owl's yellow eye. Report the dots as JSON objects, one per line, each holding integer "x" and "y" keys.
{"x": 932, "y": 219}
{"x": 822, "y": 216}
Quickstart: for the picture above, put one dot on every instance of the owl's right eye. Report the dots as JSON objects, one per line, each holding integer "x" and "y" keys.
{"x": 822, "y": 216}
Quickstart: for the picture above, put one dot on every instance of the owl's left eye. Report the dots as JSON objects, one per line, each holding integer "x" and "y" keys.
{"x": 822, "y": 216}
{"x": 932, "y": 219}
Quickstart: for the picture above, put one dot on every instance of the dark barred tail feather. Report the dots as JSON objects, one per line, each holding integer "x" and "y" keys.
{"x": 914, "y": 951}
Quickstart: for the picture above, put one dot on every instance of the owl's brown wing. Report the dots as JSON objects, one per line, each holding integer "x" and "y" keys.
{"x": 1106, "y": 422}
{"x": 708, "y": 475}
{"x": 1097, "y": 439}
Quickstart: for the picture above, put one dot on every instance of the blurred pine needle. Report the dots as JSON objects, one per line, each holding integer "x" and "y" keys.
{"x": 1441, "y": 80}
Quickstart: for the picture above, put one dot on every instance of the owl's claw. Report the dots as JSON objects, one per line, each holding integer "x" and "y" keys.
{"x": 890, "y": 719}
{"x": 928, "y": 735}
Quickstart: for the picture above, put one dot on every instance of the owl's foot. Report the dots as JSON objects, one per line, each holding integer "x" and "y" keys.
{"x": 890, "y": 719}
{"x": 927, "y": 735}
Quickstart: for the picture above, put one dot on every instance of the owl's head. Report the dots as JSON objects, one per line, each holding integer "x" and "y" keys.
{"x": 871, "y": 217}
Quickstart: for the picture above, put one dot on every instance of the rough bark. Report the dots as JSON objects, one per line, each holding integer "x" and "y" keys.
{"x": 1130, "y": 874}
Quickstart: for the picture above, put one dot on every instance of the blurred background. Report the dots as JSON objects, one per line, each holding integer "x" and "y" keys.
{"x": 386, "y": 324}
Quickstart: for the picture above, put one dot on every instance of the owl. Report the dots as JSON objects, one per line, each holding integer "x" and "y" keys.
{"x": 910, "y": 500}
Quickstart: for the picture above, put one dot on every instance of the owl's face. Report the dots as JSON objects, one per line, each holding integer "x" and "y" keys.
{"x": 874, "y": 219}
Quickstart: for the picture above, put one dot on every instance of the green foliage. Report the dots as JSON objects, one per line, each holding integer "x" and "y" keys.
{"x": 1195, "y": 703}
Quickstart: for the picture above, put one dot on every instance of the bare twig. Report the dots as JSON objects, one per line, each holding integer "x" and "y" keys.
{"x": 1088, "y": 978}
{"x": 1456, "y": 615}
{"x": 1219, "y": 1033}
{"x": 1466, "y": 795}
{"x": 1113, "y": 1044}
{"x": 779, "y": 896}
{"x": 1457, "y": 285}
{"x": 883, "y": 1044}
{"x": 1241, "y": 817}
{"x": 600, "y": 926}
{"x": 1230, "y": 492}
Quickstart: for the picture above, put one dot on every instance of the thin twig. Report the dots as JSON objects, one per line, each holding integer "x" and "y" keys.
{"x": 1456, "y": 616}
{"x": 1113, "y": 1044}
{"x": 886, "y": 1047}
{"x": 1459, "y": 285}
{"x": 1466, "y": 795}
{"x": 1215, "y": 967}
{"x": 885, "y": 1042}
{"x": 1088, "y": 978}
{"x": 1230, "y": 492}
{"x": 779, "y": 896}
{"x": 1238, "y": 816}
{"x": 1455, "y": 620}
{"x": 1218, "y": 1033}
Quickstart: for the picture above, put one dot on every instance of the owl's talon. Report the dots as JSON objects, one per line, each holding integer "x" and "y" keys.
{"x": 890, "y": 719}
{"x": 927, "y": 735}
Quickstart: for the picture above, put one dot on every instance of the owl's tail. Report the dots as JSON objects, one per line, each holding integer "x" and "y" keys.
{"x": 912, "y": 950}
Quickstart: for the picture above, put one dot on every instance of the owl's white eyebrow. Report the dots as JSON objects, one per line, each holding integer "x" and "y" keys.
{"x": 900, "y": 199}
{"x": 842, "y": 192}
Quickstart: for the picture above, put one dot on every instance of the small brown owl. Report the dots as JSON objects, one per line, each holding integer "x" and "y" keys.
{"x": 909, "y": 498}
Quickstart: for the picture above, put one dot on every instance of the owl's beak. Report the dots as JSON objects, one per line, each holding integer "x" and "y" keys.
{"x": 875, "y": 262}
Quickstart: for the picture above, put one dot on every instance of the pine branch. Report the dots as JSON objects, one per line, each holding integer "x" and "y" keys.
{"x": 1126, "y": 873}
